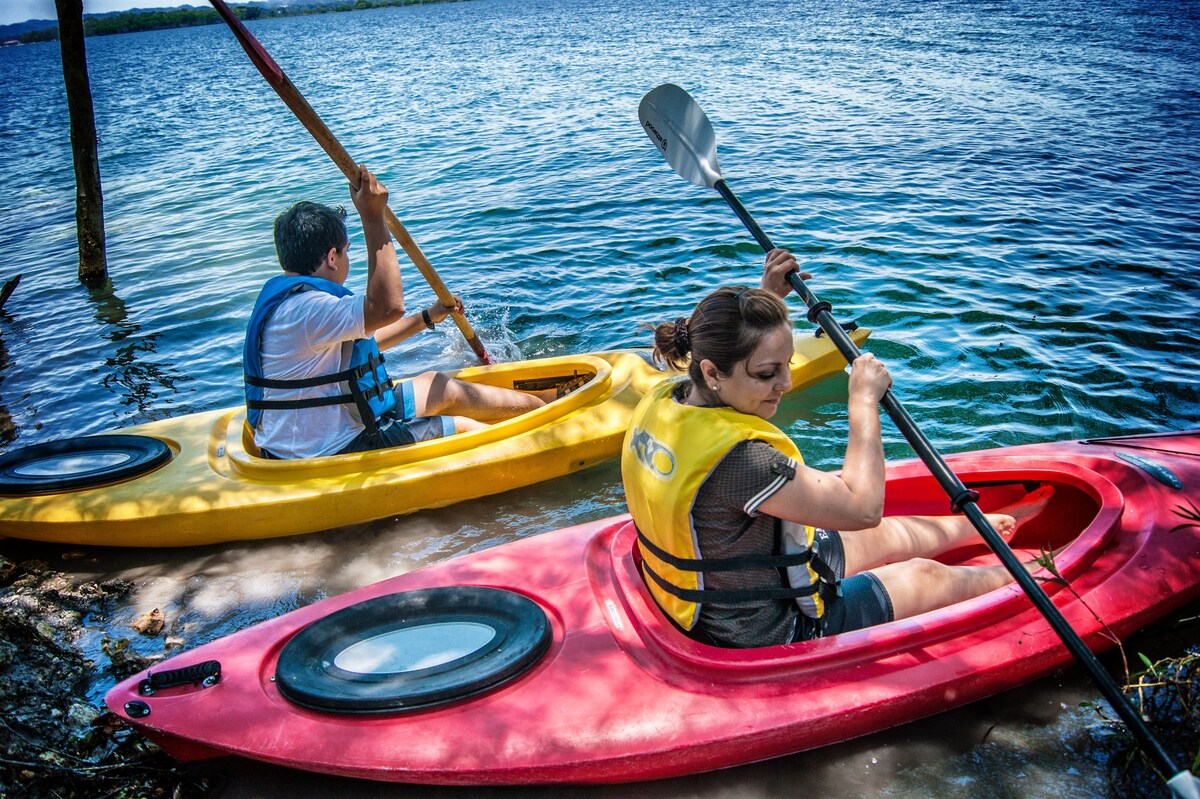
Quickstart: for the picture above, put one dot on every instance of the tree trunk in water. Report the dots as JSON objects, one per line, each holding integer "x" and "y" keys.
{"x": 89, "y": 201}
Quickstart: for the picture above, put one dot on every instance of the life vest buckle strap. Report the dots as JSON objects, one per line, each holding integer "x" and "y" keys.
{"x": 304, "y": 382}
{"x": 743, "y": 563}
{"x": 373, "y": 391}
{"x": 732, "y": 596}
{"x": 297, "y": 404}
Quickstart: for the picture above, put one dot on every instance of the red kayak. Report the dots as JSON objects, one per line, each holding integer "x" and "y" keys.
{"x": 545, "y": 660}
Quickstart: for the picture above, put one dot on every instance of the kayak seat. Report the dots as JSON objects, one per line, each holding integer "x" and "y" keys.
{"x": 248, "y": 441}
{"x": 413, "y": 649}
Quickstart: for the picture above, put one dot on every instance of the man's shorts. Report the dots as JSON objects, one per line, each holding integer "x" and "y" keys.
{"x": 401, "y": 426}
{"x": 863, "y": 601}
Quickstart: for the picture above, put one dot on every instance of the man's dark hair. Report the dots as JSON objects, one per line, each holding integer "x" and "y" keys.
{"x": 305, "y": 232}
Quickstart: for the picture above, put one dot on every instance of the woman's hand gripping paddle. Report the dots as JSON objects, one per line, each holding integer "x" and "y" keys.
{"x": 309, "y": 118}
{"x": 681, "y": 131}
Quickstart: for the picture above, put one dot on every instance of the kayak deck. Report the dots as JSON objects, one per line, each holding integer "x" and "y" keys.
{"x": 622, "y": 695}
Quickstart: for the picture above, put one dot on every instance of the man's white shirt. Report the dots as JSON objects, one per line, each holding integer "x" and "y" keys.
{"x": 311, "y": 333}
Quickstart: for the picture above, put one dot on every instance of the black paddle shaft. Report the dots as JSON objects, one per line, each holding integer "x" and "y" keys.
{"x": 964, "y": 500}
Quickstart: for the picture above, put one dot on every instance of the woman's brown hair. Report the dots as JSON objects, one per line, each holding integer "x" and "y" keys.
{"x": 725, "y": 328}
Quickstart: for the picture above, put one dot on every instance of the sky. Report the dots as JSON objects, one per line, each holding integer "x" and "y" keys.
{"x": 20, "y": 10}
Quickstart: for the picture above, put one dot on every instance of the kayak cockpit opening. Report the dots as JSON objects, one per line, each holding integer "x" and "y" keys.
{"x": 562, "y": 384}
{"x": 1080, "y": 519}
{"x": 583, "y": 380}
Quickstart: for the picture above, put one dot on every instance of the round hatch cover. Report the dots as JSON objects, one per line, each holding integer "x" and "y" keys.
{"x": 79, "y": 463}
{"x": 413, "y": 649}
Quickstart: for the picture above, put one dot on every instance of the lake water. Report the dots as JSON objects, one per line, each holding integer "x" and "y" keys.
{"x": 1007, "y": 192}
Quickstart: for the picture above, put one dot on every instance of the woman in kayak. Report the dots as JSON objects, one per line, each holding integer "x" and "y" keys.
{"x": 742, "y": 544}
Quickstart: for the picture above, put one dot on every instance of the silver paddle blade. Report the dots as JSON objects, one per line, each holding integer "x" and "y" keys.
{"x": 1185, "y": 785}
{"x": 681, "y": 131}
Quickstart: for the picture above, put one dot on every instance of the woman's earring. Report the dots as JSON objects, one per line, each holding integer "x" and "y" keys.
{"x": 716, "y": 388}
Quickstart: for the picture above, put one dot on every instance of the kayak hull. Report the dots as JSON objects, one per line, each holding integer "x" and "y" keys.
{"x": 215, "y": 488}
{"x": 621, "y": 695}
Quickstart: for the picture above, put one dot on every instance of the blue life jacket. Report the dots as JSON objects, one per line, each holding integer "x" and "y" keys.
{"x": 370, "y": 388}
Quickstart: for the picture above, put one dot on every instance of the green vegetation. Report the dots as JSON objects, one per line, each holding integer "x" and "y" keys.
{"x": 1167, "y": 694}
{"x": 186, "y": 17}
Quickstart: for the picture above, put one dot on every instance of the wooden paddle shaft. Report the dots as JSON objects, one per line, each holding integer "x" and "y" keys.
{"x": 312, "y": 121}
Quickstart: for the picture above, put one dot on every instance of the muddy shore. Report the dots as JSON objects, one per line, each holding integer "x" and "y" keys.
{"x": 55, "y": 742}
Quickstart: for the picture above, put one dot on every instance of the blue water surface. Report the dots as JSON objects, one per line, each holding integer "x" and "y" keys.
{"x": 1005, "y": 191}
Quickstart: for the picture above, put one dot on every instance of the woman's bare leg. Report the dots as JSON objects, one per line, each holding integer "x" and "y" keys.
{"x": 919, "y": 585}
{"x": 899, "y": 538}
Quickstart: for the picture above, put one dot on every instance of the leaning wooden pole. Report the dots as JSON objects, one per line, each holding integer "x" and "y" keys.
{"x": 89, "y": 199}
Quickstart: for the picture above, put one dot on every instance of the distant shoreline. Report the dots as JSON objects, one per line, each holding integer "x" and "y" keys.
{"x": 135, "y": 21}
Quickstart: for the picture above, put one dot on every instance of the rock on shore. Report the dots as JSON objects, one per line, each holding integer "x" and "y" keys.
{"x": 53, "y": 741}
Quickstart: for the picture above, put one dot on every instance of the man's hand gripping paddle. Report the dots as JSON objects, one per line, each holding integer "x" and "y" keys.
{"x": 329, "y": 143}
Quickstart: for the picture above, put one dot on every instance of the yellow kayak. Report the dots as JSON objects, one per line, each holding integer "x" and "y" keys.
{"x": 197, "y": 479}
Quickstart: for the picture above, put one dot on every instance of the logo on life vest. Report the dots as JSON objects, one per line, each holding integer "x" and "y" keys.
{"x": 652, "y": 454}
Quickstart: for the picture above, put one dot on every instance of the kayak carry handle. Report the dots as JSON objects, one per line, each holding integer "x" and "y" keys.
{"x": 206, "y": 675}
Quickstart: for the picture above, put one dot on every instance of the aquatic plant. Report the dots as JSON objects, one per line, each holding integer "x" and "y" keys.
{"x": 1167, "y": 693}
{"x": 1192, "y": 514}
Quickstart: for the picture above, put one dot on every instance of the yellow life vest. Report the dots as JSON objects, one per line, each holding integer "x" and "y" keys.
{"x": 670, "y": 449}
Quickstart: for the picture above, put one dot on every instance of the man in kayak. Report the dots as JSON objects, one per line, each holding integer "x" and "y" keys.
{"x": 315, "y": 382}
{"x": 740, "y": 540}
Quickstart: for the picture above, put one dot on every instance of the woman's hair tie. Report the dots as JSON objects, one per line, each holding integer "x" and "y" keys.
{"x": 683, "y": 344}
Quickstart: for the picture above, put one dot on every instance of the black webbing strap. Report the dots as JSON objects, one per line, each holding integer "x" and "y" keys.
{"x": 297, "y": 404}
{"x": 741, "y": 563}
{"x": 728, "y": 596}
{"x": 306, "y": 382}
{"x": 348, "y": 375}
{"x": 353, "y": 373}
{"x": 738, "y": 564}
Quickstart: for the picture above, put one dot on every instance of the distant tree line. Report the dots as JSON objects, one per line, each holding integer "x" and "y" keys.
{"x": 134, "y": 21}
